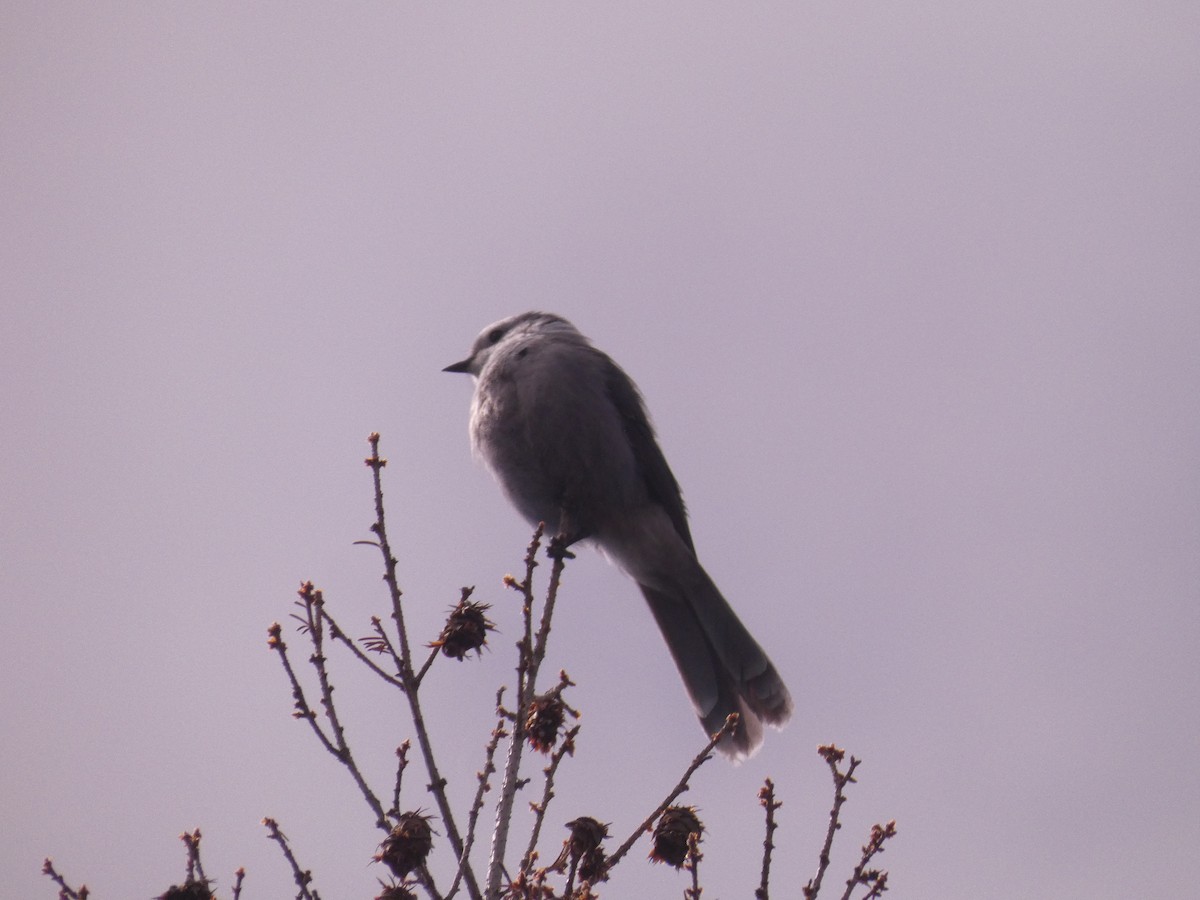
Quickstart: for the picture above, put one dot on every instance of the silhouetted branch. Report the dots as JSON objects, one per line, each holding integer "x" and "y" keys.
{"x": 378, "y": 643}
{"x": 437, "y": 784}
{"x": 312, "y": 624}
{"x": 875, "y": 878}
{"x": 195, "y": 869}
{"x": 567, "y": 747}
{"x": 701, "y": 758}
{"x": 692, "y": 864}
{"x": 420, "y": 676}
{"x": 766, "y": 796}
{"x": 526, "y": 673}
{"x": 832, "y": 756}
{"x": 538, "y": 720}
{"x": 303, "y": 877}
{"x": 196, "y": 885}
{"x": 65, "y": 891}
{"x": 401, "y": 765}
{"x": 484, "y": 776}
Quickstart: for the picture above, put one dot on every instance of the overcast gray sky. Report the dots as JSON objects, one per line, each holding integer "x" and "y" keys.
{"x": 910, "y": 288}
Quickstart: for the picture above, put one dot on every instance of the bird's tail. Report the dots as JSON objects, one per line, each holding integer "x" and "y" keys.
{"x": 723, "y": 667}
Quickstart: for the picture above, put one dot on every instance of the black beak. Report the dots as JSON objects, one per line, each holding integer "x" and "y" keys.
{"x": 464, "y": 366}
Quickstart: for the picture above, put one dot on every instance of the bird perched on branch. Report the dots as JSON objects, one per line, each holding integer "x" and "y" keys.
{"x": 565, "y": 432}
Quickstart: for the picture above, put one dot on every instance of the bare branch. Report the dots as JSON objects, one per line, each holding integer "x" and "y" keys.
{"x": 437, "y": 784}
{"x": 195, "y": 869}
{"x": 701, "y": 758}
{"x": 401, "y": 765}
{"x": 527, "y": 666}
{"x": 693, "y": 866}
{"x": 303, "y": 877}
{"x": 313, "y": 622}
{"x": 484, "y": 776}
{"x": 426, "y": 879}
{"x": 832, "y": 756}
{"x": 65, "y": 891}
{"x": 766, "y": 796}
{"x": 567, "y": 747}
{"x": 877, "y": 879}
{"x": 420, "y": 676}
{"x": 337, "y": 633}
{"x": 300, "y": 702}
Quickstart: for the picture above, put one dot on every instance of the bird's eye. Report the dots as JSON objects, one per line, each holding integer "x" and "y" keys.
{"x": 495, "y": 334}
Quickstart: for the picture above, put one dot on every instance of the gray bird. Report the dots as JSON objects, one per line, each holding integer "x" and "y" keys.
{"x": 565, "y": 432}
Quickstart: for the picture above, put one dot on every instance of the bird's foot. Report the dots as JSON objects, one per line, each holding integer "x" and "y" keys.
{"x": 557, "y": 549}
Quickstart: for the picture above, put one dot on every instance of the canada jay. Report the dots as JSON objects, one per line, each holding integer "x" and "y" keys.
{"x": 565, "y": 432}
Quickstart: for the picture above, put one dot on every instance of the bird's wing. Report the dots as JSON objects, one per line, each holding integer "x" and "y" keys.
{"x": 659, "y": 480}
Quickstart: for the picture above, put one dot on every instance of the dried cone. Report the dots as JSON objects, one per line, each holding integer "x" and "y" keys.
{"x": 195, "y": 890}
{"x": 406, "y": 848}
{"x": 584, "y": 848}
{"x": 545, "y": 719}
{"x": 465, "y": 631}
{"x": 396, "y": 892}
{"x": 675, "y": 826}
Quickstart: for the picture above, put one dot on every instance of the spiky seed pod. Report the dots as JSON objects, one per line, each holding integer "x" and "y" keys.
{"x": 396, "y": 892}
{"x": 195, "y": 890}
{"x": 465, "y": 630}
{"x": 594, "y": 866}
{"x": 671, "y": 834}
{"x": 586, "y": 834}
{"x": 408, "y": 845}
{"x": 546, "y": 716}
{"x": 584, "y": 848}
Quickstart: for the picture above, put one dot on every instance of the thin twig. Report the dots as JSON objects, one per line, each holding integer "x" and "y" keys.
{"x": 65, "y": 891}
{"x": 313, "y": 622}
{"x": 832, "y": 756}
{"x": 484, "y": 776}
{"x": 437, "y": 784}
{"x": 381, "y": 643}
{"x": 195, "y": 869}
{"x": 303, "y": 877}
{"x": 238, "y": 877}
{"x": 692, "y": 864}
{"x": 336, "y": 632}
{"x": 401, "y": 765}
{"x": 766, "y": 796}
{"x": 701, "y": 758}
{"x": 527, "y": 665}
{"x": 877, "y": 879}
{"x": 420, "y": 676}
{"x": 302, "y": 709}
{"x": 558, "y": 552}
{"x": 426, "y": 880}
{"x": 569, "y": 891}
{"x": 567, "y": 746}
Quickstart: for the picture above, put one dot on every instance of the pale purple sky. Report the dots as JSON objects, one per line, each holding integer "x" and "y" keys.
{"x": 911, "y": 290}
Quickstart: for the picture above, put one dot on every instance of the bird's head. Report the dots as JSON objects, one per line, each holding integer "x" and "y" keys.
{"x": 511, "y": 329}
